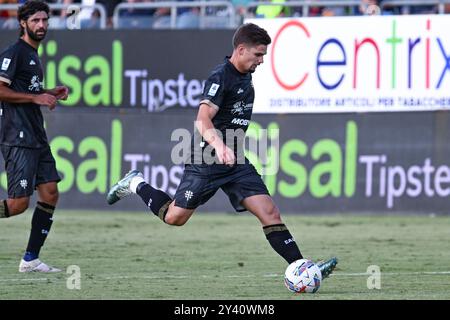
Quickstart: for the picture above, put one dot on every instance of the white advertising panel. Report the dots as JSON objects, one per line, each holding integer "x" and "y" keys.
{"x": 354, "y": 64}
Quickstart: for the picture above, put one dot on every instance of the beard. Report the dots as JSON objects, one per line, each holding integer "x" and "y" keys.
{"x": 34, "y": 35}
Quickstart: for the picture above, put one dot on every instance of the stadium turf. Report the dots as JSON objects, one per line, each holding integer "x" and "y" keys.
{"x": 124, "y": 255}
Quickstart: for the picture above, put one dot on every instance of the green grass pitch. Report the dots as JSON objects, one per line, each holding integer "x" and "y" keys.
{"x": 133, "y": 255}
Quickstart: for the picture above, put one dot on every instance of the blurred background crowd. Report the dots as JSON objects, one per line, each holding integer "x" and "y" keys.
{"x": 180, "y": 14}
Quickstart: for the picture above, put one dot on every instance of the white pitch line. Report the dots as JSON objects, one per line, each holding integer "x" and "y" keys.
{"x": 392, "y": 273}
{"x": 120, "y": 277}
{"x": 30, "y": 279}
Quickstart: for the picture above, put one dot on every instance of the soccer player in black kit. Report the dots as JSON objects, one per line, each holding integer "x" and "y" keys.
{"x": 226, "y": 105}
{"x": 29, "y": 163}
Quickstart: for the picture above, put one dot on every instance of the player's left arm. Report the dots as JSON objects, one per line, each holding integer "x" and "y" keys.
{"x": 59, "y": 92}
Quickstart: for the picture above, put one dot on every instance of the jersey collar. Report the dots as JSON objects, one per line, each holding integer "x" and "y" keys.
{"x": 24, "y": 43}
{"x": 233, "y": 68}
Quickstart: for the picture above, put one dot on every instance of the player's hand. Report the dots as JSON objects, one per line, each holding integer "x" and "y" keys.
{"x": 61, "y": 93}
{"x": 45, "y": 99}
{"x": 225, "y": 155}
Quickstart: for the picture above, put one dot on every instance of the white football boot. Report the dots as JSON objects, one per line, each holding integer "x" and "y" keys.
{"x": 36, "y": 265}
{"x": 122, "y": 188}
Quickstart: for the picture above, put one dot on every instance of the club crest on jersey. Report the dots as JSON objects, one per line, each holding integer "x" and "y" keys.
{"x": 188, "y": 195}
{"x": 36, "y": 84}
{"x": 240, "y": 107}
{"x": 213, "y": 89}
{"x": 24, "y": 183}
{"x": 5, "y": 64}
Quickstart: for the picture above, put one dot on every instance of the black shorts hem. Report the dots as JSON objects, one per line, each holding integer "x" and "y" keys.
{"x": 17, "y": 196}
{"x": 185, "y": 207}
{"x": 47, "y": 181}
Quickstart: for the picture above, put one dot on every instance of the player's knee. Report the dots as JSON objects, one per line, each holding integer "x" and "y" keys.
{"x": 50, "y": 196}
{"x": 53, "y": 197}
{"x": 18, "y": 206}
{"x": 175, "y": 220}
{"x": 274, "y": 213}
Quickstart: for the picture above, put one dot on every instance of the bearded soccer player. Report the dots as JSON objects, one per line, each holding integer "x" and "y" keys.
{"x": 29, "y": 163}
{"x": 226, "y": 105}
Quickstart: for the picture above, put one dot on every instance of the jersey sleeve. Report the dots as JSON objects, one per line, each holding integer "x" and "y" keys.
{"x": 8, "y": 65}
{"x": 213, "y": 93}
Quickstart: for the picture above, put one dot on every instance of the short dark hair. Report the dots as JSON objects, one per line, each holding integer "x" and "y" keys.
{"x": 29, "y": 8}
{"x": 250, "y": 34}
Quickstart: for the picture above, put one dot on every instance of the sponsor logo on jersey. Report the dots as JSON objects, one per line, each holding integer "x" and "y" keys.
{"x": 213, "y": 89}
{"x": 241, "y": 122}
{"x": 5, "y": 64}
{"x": 240, "y": 91}
{"x": 32, "y": 63}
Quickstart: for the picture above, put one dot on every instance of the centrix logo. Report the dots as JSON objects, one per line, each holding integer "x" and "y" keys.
{"x": 334, "y": 52}
{"x": 393, "y": 63}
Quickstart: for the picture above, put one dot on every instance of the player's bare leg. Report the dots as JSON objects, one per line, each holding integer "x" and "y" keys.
{"x": 158, "y": 202}
{"x": 177, "y": 216}
{"x": 279, "y": 237}
{"x": 263, "y": 207}
{"x": 48, "y": 193}
{"x": 13, "y": 207}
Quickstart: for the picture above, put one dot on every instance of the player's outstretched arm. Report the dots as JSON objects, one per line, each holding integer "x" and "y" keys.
{"x": 11, "y": 96}
{"x": 206, "y": 128}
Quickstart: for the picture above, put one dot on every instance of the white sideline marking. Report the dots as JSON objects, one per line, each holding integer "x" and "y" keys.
{"x": 273, "y": 275}
{"x": 30, "y": 279}
{"x": 392, "y": 273}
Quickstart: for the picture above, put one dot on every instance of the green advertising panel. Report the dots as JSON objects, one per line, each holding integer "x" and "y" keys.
{"x": 391, "y": 162}
{"x": 130, "y": 92}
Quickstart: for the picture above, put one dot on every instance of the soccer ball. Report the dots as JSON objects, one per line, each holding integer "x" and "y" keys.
{"x": 302, "y": 276}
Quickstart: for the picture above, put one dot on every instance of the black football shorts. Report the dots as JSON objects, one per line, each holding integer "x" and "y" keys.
{"x": 27, "y": 168}
{"x": 201, "y": 181}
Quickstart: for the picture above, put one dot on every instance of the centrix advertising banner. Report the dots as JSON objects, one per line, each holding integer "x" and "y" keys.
{"x": 355, "y": 64}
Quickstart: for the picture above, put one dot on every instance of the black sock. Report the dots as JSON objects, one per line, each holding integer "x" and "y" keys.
{"x": 156, "y": 200}
{"x": 4, "y": 212}
{"x": 40, "y": 227}
{"x": 282, "y": 242}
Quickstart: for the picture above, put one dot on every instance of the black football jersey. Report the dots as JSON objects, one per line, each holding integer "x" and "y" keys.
{"x": 231, "y": 93}
{"x": 22, "y": 125}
